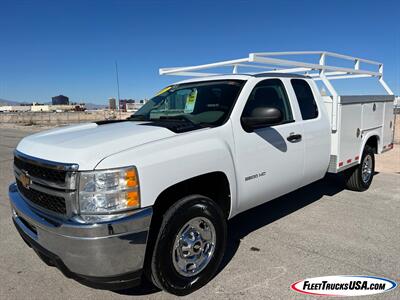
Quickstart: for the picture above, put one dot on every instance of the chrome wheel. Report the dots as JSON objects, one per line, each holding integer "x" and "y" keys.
{"x": 194, "y": 246}
{"x": 366, "y": 168}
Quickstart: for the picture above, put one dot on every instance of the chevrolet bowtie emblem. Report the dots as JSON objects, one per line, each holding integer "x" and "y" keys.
{"x": 25, "y": 179}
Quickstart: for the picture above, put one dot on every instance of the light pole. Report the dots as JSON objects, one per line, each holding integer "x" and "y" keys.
{"x": 117, "y": 77}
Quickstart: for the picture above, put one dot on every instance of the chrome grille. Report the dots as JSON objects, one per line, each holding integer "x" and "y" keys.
{"x": 49, "y": 202}
{"x": 52, "y": 175}
{"x": 47, "y": 185}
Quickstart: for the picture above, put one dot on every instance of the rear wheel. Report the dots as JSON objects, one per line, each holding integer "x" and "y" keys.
{"x": 359, "y": 178}
{"x": 190, "y": 245}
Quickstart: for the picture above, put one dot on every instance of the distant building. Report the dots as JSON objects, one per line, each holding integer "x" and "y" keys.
{"x": 40, "y": 107}
{"x": 122, "y": 103}
{"x": 14, "y": 108}
{"x": 131, "y": 105}
{"x": 112, "y": 104}
{"x": 57, "y": 108}
{"x": 60, "y": 100}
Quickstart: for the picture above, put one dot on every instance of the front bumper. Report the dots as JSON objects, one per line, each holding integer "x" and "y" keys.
{"x": 107, "y": 255}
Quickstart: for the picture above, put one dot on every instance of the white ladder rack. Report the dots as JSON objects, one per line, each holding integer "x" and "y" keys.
{"x": 272, "y": 62}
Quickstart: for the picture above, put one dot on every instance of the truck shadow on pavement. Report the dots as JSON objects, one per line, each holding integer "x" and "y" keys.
{"x": 262, "y": 215}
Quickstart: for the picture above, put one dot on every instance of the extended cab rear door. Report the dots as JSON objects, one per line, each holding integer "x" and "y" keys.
{"x": 269, "y": 161}
{"x": 316, "y": 128}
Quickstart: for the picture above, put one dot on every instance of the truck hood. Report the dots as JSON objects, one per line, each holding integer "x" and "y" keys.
{"x": 87, "y": 144}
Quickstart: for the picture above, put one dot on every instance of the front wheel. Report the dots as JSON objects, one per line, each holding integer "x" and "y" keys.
{"x": 190, "y": 245}
{"x": 360, "y": 177}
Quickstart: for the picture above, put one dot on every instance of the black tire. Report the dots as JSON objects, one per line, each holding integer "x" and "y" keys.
{"x": 354, "y": 178}
{"x": 163, "y": 272}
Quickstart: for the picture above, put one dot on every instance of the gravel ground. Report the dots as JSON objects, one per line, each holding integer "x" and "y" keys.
{"x": 318, "y": 230}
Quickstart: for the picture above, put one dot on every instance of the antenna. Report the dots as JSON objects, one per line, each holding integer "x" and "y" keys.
{"x": 117, "y": 77}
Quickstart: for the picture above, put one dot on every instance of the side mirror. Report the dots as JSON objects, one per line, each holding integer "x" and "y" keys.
{"x": 262, "y": 117}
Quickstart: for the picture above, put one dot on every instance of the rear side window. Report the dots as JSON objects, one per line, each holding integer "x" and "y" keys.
{"x": 305, "y": 97}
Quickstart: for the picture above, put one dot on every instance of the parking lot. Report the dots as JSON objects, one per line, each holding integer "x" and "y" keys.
{"x": 318, "y": 230}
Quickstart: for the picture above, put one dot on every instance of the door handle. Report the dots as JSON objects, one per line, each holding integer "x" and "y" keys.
{"x": 294, "y": 138}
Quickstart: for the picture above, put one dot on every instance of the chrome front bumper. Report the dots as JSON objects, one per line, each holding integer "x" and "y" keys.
{"x": 96, "y": 253}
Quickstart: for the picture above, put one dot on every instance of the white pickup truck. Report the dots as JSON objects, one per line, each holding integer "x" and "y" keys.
{"x": 112, "y": 201}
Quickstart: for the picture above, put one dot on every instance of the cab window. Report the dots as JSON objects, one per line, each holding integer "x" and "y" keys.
{"x": 271, "y": 93}
{"x": 305, "y": 98}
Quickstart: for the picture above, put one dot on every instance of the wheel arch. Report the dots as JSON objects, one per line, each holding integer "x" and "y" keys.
{"x": 214, "y": 185}
{"x": 373, "y": 140}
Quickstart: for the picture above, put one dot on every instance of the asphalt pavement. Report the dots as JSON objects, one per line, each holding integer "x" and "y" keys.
{"x": 319, "y": 230}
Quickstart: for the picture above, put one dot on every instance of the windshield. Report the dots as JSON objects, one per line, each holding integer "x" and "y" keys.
{"x": 202, "y": 103}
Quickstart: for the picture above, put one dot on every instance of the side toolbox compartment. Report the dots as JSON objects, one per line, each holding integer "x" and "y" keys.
{"x": 357, "y": 118}
{"x": 388, "y": 126}
{"x": 350, "y": 127}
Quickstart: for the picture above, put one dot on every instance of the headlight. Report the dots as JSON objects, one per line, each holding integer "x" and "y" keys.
{"x": 108, "y": 191}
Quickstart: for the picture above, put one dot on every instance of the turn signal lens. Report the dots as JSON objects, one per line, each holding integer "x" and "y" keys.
{"x": 131, "y": 178}
{"x": 132, "y": 199}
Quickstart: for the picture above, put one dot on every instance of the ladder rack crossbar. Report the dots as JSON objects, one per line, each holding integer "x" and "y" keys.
{"x": 332, "y": 54}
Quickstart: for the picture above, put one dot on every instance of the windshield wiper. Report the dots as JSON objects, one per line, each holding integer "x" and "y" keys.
{"x": 178, "y": 118}
{"x": 138, "y": 118}
{"x": 183, "y": 118}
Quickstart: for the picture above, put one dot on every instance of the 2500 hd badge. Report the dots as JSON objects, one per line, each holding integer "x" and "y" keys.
{"x": 254, "y": 176}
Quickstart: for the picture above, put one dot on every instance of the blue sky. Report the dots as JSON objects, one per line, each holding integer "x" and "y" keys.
{"x": 69, "y": 47}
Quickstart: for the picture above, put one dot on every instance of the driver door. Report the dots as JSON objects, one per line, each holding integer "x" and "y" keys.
{"x": 269, "y": 160}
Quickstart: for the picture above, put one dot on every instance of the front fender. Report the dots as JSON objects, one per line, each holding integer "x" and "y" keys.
{"x": 161, "y": 164}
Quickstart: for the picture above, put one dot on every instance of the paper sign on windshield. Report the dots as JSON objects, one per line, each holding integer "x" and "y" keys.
{"x": 191, "y": 101}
